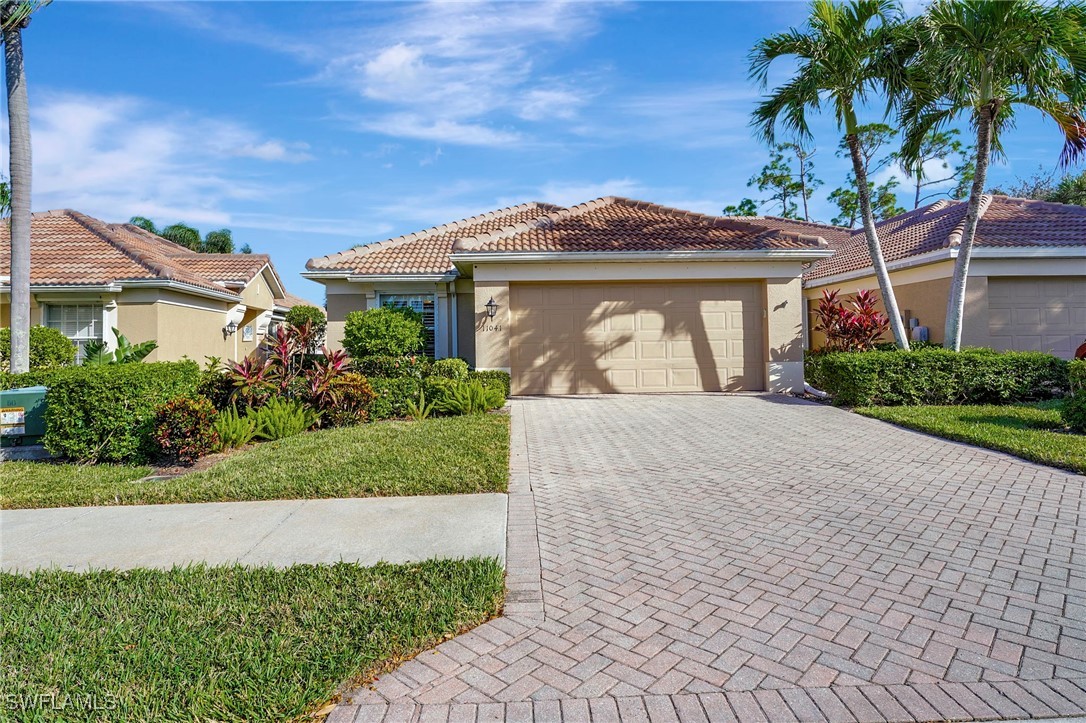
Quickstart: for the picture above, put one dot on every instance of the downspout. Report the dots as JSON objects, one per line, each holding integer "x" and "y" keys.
{"x": 814, "y": 392}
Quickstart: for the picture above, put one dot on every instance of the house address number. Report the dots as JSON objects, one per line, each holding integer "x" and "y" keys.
{"x": 492, "y": 327}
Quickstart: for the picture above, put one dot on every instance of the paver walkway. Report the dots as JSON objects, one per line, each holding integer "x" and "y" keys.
{"x": 715, "y": 557}
{"x": 279, "y": 532}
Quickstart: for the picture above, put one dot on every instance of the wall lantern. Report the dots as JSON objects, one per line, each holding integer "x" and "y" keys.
{"x": 229, "y": 329}
{"x": 491, "y": 308}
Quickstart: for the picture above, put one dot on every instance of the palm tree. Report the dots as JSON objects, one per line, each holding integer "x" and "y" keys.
{"x": 14, "y": 17}
{"x": 846, "y": 53}
{"x": 985, "y": 59}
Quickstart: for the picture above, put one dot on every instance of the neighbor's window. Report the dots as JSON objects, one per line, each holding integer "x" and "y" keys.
{"x": 422, "y": 303}
{"x": 79, "y": 322}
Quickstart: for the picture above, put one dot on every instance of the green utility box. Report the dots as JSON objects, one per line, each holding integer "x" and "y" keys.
{"x": 22, "y": 416}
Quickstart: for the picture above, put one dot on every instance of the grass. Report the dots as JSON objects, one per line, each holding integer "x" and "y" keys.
{"x": 445, "y": 455}
{"x": 1030, "y": 431}
{"x": 224, "y": 643}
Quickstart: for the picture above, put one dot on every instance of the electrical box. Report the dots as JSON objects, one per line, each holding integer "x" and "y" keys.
{"x": 22, "y": 416}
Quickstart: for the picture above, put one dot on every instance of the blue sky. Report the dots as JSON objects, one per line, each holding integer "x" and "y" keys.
{"x": 308, "y": 128}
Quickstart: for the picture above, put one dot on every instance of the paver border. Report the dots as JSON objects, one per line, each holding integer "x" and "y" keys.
{"x": 523, "y": 566}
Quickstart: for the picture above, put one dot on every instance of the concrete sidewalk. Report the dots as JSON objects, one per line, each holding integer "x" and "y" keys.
{"x": 280, "y": 533}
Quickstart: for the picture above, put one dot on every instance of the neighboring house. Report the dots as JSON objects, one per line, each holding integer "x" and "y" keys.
{"x": 613, "y": 295}
{"x": 1027, "y": 275}
{"x": 88, "y": 276}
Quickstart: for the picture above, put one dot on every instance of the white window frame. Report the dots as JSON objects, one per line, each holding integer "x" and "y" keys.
{"x": 79, "y": 340}
{"x": 404, "y": 299}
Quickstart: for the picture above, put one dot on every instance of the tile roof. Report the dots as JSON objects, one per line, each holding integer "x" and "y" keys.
{"x": 425, "y": 252}
{"x": 606, "y": 224}
{"x": 1005, "y": 222}
{"x": 68, "y": 248}
{"x": 288, "y": 300}
{"x": 622, "y": 224}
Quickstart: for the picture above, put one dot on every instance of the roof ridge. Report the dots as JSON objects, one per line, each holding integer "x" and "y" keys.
{"x": 794, "y": 220}
{"x": 102, "y": 230}
{"x": 141, "y": 231}
{"x": 427, "y": 233}
{"x": 1072, "y": 207}
{"x": 954, "y": 238}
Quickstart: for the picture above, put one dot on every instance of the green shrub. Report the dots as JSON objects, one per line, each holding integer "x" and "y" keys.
{"x": 469, "y": 398}
{"x": 1073, "y": 410}
{"x": 492, "y": 378}
{"x": 391, "y": 396}
{"x": 184, "y": 429}
{"x": 281, "y": 418}
{"x": 234, "y": 430}
{"x": 106, "y": 413}
{"x": 298, "y": 316}
{"x": 937, "y": 376}
{"x": 48, "y": 348}
{"x": 394, "y": 367}
{"x": 456, "y": 369}
{"x": 385, "y": 331}
{"x": 420, "y": 410}
{"x": 216, "y": 385}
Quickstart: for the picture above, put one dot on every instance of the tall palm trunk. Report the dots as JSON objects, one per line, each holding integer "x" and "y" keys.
{"x": 955, "y": 308}
{"x": 19, "y": 153}
{"x": 863, "y": 192}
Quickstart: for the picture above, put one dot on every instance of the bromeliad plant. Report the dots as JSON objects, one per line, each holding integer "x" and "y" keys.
{"x": 857, "y": 326}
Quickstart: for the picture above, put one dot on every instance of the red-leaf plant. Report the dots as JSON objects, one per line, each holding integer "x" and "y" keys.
{"x": 853, "y": 327}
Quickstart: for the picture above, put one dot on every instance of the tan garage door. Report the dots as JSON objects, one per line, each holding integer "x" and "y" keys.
{"x": 636, "y": 337}
{"x": 1037, "y": 313}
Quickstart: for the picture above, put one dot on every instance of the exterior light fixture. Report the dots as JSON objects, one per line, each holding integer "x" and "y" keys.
{"x": 229, "y": 329}
{"x": 491, "y": 308}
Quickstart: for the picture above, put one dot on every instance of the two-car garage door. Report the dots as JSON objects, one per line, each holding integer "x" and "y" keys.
{"x": 578, "y": 338}
{"x": 1037, "y": 313}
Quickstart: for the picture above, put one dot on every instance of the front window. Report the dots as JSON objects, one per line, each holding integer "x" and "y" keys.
{"x": 81, "y": 323}
{"x": 423, "y": 304}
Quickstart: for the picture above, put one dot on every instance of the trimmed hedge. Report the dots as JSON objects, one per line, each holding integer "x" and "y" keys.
{"x": 452, "y": 368}
{"x": 492, "y": 378}
{"x": 106, "y": 413}
{"x": 48, "y": 348}
{"x": 937, "y": 376}
{"x": 1073, "y": 411}
{"x": 392, "y": 395}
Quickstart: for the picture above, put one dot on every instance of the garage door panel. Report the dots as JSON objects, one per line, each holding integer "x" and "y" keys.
{"x": 630, "y": 337}
{"x": 1039, "y": 314}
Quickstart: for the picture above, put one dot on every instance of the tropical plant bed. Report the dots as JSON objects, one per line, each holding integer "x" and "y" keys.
{"x": 225, "y": 643}
{"x": 438, "y": 456}
{"x": 1031, "y": 431}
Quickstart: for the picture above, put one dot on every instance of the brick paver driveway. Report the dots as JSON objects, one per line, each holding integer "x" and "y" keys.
{"x": 713, "y": 557}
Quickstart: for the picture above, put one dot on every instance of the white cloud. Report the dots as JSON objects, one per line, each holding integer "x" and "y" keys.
{"x": 118, "y": 156}
{"x": 565, "y": 193}
{"x": 444, "y": 71}
{"x": 418, "y": 126}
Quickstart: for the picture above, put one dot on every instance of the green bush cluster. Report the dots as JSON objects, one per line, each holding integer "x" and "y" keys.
{"x": 318, "y": 323}
{"x": 184, "y": 429}
{"x": 493, "y": 378}
{"x": 479, "y": 391}
{"x": 455, "y": 369}
{"x": 385, "y": 331}
{"x": 48, "y": 348}
{"x": 1073, "y": 410}
{"x": 106, "y": 414}
{"x": 394, "y": 367}
{"x": 937, "y": 376}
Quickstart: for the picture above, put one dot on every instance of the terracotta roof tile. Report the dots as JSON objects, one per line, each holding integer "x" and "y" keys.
{"x": 288, "y": 300}
{"x": 68, "y": 248}
{"x": 424, "y": 252}
{"x": 1005, "y": 222}
{"x": 621, "y": 224}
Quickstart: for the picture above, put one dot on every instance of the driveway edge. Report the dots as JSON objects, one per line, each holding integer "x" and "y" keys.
{"x": 523, "y": 569}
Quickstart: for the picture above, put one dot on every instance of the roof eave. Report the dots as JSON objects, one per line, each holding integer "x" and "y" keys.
{"x": 466, "y": 258}
{"x": 354, "y": 276}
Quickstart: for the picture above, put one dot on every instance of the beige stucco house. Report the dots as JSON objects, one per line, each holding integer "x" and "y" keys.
{"x": 1027, "y": 276}
{"x": 88, "y": 277}
{"x": 612, "y": 295}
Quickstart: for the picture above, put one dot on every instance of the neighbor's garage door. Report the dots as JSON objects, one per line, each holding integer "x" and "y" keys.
{"x": 1037, "y": 313}
{"x": 636, "y": 337}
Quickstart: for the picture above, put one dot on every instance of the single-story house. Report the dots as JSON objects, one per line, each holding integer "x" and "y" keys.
{"x": 1027, "y": 275}
{"x": 88, "y": 276}
{"x": 613, "y": 295}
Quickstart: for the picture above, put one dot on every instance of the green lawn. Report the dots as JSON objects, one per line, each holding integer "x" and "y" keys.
{"x": 444, "y": 455}
{"x": 1031, "y": 431}
{"x": 224, "y": 643}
